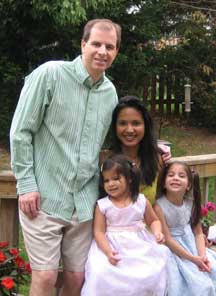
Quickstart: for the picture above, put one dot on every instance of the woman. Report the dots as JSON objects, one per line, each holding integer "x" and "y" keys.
{"x": 133, "y": 135}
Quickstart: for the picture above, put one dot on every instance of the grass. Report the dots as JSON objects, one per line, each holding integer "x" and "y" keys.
{"x": 187, "y": 140}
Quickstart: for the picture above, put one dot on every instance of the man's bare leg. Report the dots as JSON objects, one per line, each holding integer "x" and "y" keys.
{"x": 72, "y": 283}
{"x": 43, "y": 282}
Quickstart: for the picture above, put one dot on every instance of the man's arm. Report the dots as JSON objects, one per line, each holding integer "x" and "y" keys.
{"x": 25, "y": 124}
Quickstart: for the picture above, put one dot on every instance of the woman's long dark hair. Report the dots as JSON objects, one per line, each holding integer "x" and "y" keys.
{"x": 194, "y": 186}
{"x": 148, "y": 151}
{"x": 126, "y": 168}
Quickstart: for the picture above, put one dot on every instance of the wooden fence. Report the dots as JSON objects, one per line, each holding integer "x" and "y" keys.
{"x": 165, "y": 94}
{"x": 205, "y": 165}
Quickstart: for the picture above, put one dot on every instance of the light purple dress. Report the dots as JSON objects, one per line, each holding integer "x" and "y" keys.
{"x": 142, "y": 268}
{"x": 184, "y": 277}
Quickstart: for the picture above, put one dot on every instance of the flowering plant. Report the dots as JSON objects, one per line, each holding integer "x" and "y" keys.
{"x": 13, "y": 269}
{"x": 207, "y": 214}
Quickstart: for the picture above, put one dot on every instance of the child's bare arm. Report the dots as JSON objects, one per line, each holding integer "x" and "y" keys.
{"x": 153, "y": 222}
{"x": 175, "y": 247}
{"x": 99, "y": 230}
{"x": 200, "y": 243}
{"x": 199, "y": 238}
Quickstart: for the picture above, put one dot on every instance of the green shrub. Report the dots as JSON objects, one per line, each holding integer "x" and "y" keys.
{"x": 10, "y": 85}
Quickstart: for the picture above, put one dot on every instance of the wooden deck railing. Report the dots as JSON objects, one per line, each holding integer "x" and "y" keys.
{"x": 9, "y": 226}
{"x": 205, "y": 165}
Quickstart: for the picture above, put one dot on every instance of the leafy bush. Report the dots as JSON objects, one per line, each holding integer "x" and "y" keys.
{"x": 10, "y": 85}
{"x": 204, "y": 107}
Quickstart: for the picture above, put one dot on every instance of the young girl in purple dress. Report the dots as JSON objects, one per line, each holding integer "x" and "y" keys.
{"x": 192, "y": 266}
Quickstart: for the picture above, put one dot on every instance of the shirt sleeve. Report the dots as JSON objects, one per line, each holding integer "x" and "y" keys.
{"x": 29, "y": 114}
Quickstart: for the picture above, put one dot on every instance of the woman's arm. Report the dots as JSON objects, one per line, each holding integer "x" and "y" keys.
{"x": 153, "y": 222}
{"x": 175, "y": 247}
{"x": 99, "y": 230}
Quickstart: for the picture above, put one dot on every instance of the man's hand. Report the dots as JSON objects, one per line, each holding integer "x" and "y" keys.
{"x": 29, "y": 204}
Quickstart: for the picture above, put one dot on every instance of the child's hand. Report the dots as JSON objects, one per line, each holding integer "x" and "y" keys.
{"x": 207, "y": 263}
{"x": 113, "y": 257}
{"x": 159, "y": 237}
{"x": 202, "y": 263}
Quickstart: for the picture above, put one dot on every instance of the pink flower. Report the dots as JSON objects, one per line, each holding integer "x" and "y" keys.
{"x": 204, "y": 211}
{"x": 210, "y": 206}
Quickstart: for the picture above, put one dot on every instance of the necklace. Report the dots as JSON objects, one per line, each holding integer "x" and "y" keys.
{"x": 136, "y": 160}
{"x": 132, "y": 156}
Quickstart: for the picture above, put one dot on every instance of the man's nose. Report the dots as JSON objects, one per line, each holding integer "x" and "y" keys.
{"x": 102, "y": 49}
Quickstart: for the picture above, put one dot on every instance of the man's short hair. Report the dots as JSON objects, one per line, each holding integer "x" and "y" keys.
{"x": 104, "y": 24}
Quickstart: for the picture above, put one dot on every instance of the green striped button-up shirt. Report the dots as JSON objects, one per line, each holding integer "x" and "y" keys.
{"x": 58, "y": 128}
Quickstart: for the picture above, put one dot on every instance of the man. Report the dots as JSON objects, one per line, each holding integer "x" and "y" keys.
{"x": 59, "y": 126}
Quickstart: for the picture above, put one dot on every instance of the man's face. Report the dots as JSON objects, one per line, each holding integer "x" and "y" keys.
{"x": 99, "y": 51}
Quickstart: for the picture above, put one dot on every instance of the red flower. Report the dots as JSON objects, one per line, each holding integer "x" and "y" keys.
{"x": 28, "y": 267}
{"x": 210, "y": 206}
{"x": 2, "y": 257}
{"x": 4, "y": 244}
{"x": 20, "y": 262}
{"x": 8, "y": 283}
{"x": 14, "y": 252}
{"x": 204, "y": 211}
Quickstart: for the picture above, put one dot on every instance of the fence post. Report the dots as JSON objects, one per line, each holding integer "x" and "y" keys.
{"x": 9, "y": 222}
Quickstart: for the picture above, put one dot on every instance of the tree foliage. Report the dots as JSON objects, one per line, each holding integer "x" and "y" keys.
{"x": 34, "y": 31}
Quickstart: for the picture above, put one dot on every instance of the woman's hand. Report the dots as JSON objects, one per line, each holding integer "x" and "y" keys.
{"x": 165, "y": 152}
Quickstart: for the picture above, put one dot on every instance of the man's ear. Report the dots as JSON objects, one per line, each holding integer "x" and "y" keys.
{"x": 83, "y": 43}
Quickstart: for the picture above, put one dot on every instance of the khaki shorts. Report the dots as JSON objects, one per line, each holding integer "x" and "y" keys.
{"x": 49, "y": 239}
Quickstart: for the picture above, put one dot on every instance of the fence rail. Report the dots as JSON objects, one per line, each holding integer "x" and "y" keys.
{"x": 205, "y": 165}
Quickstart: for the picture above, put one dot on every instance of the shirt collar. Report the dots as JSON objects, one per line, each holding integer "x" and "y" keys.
{"x": 84, "y": 76}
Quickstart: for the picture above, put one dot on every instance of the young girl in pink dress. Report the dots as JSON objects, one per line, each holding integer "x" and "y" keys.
{"x": 125, "y": 258}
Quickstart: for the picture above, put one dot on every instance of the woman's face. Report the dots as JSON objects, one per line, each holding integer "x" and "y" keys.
{"x": 130, "y": 127}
